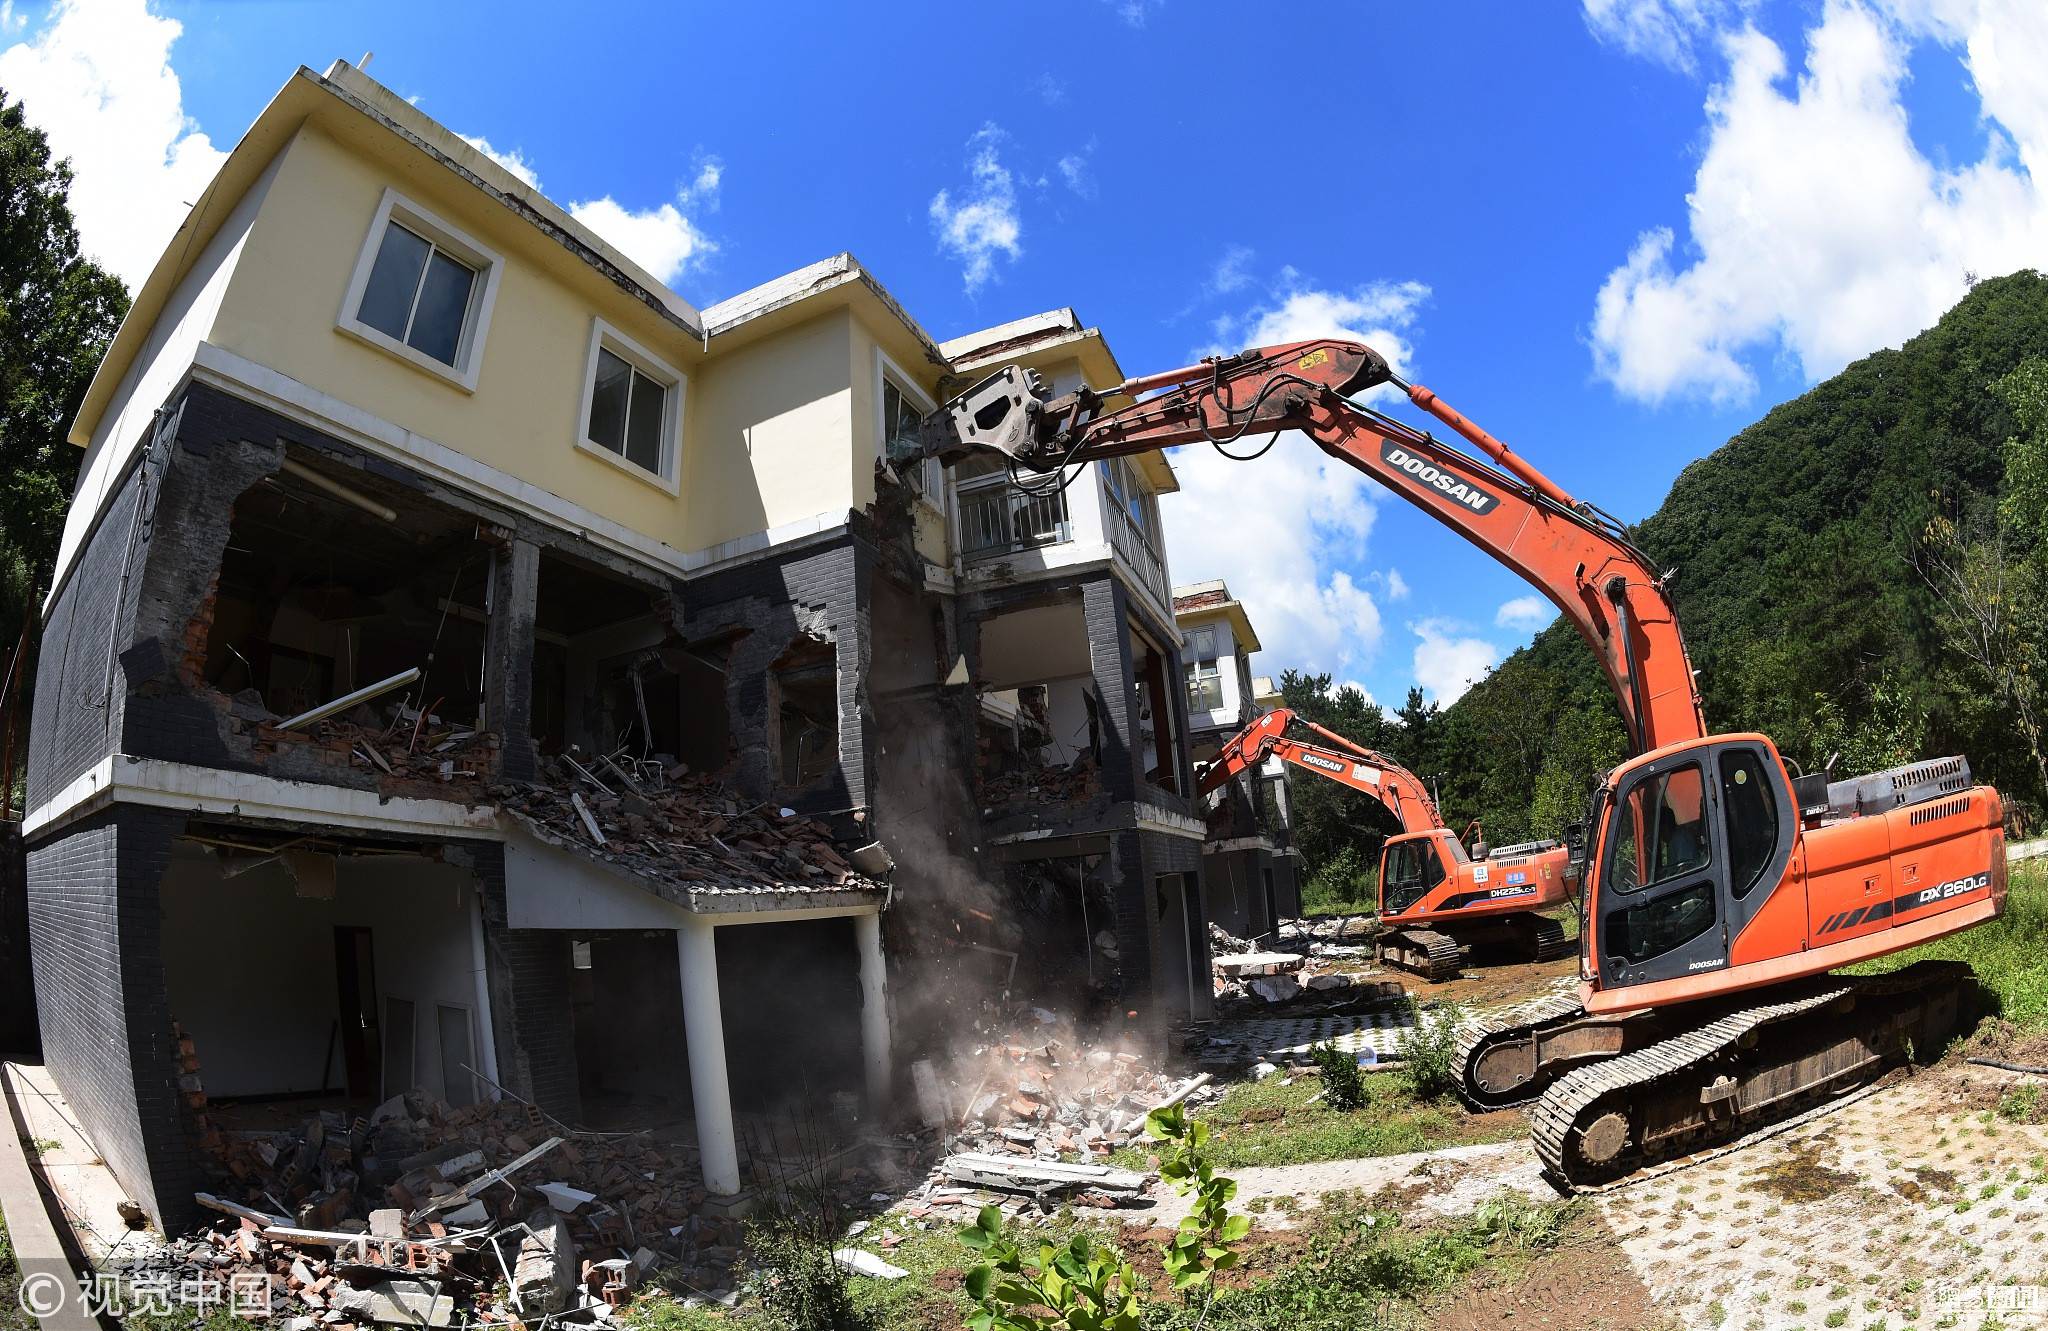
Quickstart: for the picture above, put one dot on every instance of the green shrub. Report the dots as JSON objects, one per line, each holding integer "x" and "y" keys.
{"x": 796, "y": 1280}
{"x": 1429, "y": 1051}
{"x": 1343, "y": 1086}
{"x": 2021, "y": 1104}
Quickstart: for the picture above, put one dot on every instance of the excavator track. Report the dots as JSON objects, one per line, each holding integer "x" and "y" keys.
{"x": 1425, "y": 952}
{"x": 1547, "y": 941}
{"x": 1515, "y": 1024}
{"x": 1740, "y": 1071}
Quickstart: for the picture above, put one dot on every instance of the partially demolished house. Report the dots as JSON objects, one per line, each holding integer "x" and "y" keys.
{"x": 1251, "y": 870}
{"x": 471, "y": 668}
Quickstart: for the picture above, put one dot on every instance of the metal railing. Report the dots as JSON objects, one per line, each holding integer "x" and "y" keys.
{"x": 1135, "y": 549}
{"x": 997, "y": 518}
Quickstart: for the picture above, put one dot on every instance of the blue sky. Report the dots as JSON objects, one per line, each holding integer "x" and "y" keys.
{"x": 1613, "y": 232}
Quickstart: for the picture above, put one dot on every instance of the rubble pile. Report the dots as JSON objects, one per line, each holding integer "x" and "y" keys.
{"x": 1076, "y": 782}
{"x": 660, "y": 822}
{"x": 1041, "y": 1092}
{"x": 1306, "y": 975}
{"x": 422, "y": 1210}
{"x": 390, "y": 739}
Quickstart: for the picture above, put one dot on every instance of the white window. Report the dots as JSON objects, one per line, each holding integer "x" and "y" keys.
{"x": 632, "y": 407}
{"x": 422, "y": 291}
{"x": 1205, "y": 683}
{"x": 903, "y": 409}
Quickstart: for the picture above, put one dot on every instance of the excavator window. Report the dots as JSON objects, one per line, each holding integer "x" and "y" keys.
{"x": 1413, "y": 871}
{"x": 1662, "y": 829}
{"x": 1751, "y": 814}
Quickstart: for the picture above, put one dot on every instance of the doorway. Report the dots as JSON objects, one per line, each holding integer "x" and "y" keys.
{"x": 355, "y": 978}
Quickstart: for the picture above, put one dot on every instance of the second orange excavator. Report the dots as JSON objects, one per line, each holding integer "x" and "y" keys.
{"x": 1437, "y": 897}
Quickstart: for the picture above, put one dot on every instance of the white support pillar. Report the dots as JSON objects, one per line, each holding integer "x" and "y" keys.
{"x": 704, "y": 1027}
{"x": 874, "y": 1009}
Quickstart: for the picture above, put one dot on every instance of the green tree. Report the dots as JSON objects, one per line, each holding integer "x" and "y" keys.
{"x": 58, "y": 311}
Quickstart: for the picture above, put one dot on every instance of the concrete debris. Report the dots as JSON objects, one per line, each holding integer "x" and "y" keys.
{"x": 425, "y": 1215}
{"x": 676, "y": 829}
{"x": 1248, "y": 964}
{"x": 1043, "y": 1178}
{"x": 545, "y": 1271}
{"x": 863, "y": 1263}
{"x": 1310, "y": 973}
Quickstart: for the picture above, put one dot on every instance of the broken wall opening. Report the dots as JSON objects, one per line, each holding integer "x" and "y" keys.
{"x": 1153, "y": 687}
{"x": 331, "y": 581}
{"x": 803, "y": 713}
{"x": 1040, "y": 728}
{"x": 1064, "y": 934}
{"x": 307, "y": 966}
{"x": 604, "y": 681}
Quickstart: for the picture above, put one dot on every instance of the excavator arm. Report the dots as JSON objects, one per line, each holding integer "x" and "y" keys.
{"x": 1344, "y": 762}
{"x": 1576, "y": 555}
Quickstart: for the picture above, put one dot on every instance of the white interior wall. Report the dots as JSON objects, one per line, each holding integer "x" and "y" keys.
{"x": 1067, "y": 713}
{"x": 249, "y": 964}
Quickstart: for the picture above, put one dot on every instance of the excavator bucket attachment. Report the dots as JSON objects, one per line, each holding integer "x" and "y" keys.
{"x": 1001, "y": 413}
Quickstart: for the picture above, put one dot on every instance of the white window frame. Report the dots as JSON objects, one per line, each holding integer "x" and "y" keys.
{"x": 483, "y": 294}
{"x": 886, "y": 371}
{"x": 676, "y": 385}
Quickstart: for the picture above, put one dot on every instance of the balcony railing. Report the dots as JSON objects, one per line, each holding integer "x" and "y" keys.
{"x": 1135, "y": 549}
{"x": 1000, "y": 519}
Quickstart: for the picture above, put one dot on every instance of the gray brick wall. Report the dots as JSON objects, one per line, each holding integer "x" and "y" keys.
{"x": 527, "y": 974}
{"x": 95, "y": 927}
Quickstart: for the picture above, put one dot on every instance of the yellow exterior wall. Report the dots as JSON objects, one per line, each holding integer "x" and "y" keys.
{"x": 765, "y": 428}
{"x": 765, "y": 439}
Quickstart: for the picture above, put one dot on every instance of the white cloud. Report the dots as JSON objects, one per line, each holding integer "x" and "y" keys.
{"x": 1285, "y": 530}
{"x": 1135, "y": 12}
{"x": 1074, "y": 170}
{"x": 1666, "y": 31}
{"x": 1448, "y": 660}
{"x": 1524, "y": 612}
{"x": 984, "y": 224}
{"x": 1363, "y": 691}
{"x": 11, "y": 19}
{"x": 513, "y": 161}
{"x": 1816, "y": 230}
{"x": 1397, "y": 586}
{"x": 98, "y": 80}
{"x": 665, "y": 240}
{"x": 1051, "y": 90}
{"x": 1232, "y": 271}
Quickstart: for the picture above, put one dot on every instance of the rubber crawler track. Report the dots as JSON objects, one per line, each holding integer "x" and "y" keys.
{"x": 1620, "y": 1079}
{"x": 1514, "y": 1022}
{"x": 1441, "y": 951}
{"x": 1550, "y": 940}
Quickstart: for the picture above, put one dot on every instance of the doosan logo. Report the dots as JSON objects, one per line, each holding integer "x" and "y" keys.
{"x": 1317, "y": 760}
{"x": 1422, "y": 469}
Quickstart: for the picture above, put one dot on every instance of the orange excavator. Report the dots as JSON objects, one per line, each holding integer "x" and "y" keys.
{"x": 1436, "y": 896}
{"x": 1720, "y": 887}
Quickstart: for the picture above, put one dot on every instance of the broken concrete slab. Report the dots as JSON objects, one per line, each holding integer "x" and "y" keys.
{"x": 1258, "y": 963}
{"x": 545, "y": 1271}
{"x": 864, "y": 1263}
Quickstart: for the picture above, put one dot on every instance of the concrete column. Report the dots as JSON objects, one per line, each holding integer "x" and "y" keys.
{"x": 704, "y": 1027}
{"x": 508, "y": 678}
{"x": 874, "y": 1010}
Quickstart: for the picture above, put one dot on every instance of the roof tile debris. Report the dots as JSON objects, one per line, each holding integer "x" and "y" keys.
{"x": 664, "y": 825}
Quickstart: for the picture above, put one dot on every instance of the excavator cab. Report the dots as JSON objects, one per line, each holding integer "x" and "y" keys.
{"x": 1411, "y": 867}
{"x": 1692, "y": 842}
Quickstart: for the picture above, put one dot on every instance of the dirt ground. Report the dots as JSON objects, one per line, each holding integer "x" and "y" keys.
{"x": 1584, "y": 1283}
{"x": 1489, "y": 986}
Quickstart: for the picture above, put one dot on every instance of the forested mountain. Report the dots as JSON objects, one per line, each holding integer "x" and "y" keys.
{"x": 1859, "y": 575}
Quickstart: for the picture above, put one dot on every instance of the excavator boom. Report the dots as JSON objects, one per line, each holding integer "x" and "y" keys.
{"x": 1579, "y": 558}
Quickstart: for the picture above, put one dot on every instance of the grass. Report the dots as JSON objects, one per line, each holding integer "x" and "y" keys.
{"x": 12, "y": 1318}
{"x": 1268, "y": 1123}
{"x": 2009, "y": 955}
